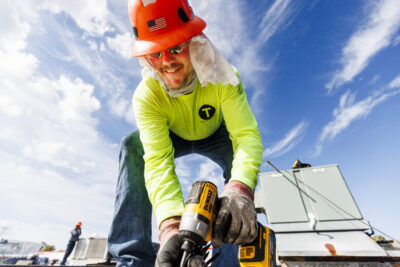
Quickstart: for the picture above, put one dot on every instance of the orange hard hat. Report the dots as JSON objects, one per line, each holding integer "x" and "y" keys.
{"x": 160, "y": 24}
{"x": 78, "y": 223}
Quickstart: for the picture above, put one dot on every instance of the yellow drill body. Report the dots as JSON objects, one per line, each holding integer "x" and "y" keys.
{"x": 260, "y": 252}
{"x": 195, "y": 228}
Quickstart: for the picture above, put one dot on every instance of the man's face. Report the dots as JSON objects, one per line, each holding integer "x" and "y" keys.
{"x": 173, "y": 65}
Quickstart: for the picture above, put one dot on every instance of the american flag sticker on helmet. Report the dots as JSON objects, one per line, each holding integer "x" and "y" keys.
{"x": 148, "y": 2}
{"x": 157, "y": 24}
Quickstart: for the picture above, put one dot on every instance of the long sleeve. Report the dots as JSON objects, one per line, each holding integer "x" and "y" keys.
{"x": 75, "y": 233}
{"x": 243, "y": 131}
{"x": 162, "y": 184}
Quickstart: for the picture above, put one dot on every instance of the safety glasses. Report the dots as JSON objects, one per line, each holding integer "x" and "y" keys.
{"x": 173, "y": 51}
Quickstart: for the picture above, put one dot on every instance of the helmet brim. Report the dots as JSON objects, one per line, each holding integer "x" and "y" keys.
{"x": 168, "y": 39}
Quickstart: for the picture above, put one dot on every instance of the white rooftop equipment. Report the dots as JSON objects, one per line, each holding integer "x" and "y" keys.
{"x": 316, "y": 219}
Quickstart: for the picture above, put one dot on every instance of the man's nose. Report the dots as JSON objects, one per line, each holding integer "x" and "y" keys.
{"x": 167, "y": 56}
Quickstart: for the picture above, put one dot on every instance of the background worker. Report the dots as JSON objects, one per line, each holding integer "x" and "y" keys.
{"x": 190, "y": 100}
{"x": 75, "y": 233}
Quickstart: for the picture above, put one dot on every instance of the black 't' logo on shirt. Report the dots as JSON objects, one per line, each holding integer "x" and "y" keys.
{"x": 206, "y": 112}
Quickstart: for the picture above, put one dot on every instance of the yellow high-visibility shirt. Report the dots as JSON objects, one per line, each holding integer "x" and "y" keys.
{"x": 194, "y": 116}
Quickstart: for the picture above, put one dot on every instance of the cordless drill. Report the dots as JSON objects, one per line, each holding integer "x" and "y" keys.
{"x": 196, "y": 223}
{"x": 196, "y": 228}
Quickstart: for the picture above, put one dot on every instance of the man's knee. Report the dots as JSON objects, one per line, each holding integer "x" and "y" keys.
{"x": 131, "y": 142}
{"x": 130, "y": 139}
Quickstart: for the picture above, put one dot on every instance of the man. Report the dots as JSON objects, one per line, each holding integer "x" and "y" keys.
{"x": 189, "y": 101}
{"x": 75, "y": 233}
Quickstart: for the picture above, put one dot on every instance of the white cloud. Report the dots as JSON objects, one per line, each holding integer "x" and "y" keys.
{"x": 93, "y": 45}
{"x": 89, "y": 15}
{"x": 396, "y": 41}
{"x": 21, "y": 18}
{"x": 13, "y": 30}
{"x": 121, "y": 44}
{"x": 375, "y": 79}
{"x": 373, "y": 36}
{"x": 349, "y": 111}
{"x": 288, "y": 142}
{"x": 17, "y": 230}
{"x": 122, "y": 107}
{"x": 183, "y": 170}
{"x": 55, "y": 163}
{"x": 225, "y": 38}
{"x": 50, "y": 203}
{"x": 102, "y": 64}
{"x": 195, "y": 167}
{"x": 231, "y": 34}
{"x": 210, "y": 171}
{"x": 57, "y": 167}
{"x": 78, "y": 101}
{"x": 395, "y": 82}
{"x": 8, "y": 107}
{"x": 277, "y": 17}
{"x": 49, "y": 152}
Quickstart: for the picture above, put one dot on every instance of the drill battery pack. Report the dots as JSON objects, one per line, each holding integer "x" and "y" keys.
{"x": 260, "y": 252}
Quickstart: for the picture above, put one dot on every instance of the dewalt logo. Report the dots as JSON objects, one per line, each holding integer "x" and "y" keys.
{"x": 207, "y": 204}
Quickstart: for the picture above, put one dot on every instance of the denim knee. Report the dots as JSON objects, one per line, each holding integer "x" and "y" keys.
{"x": 132, "y": 142}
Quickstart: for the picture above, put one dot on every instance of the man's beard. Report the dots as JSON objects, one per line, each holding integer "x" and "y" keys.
{"x": 184, "y": 90}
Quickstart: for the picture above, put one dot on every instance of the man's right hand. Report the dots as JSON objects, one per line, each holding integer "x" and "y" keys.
{"x": 170, "y": 252}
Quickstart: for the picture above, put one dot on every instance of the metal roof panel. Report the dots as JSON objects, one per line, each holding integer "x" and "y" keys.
{"x": 350, "y": 243}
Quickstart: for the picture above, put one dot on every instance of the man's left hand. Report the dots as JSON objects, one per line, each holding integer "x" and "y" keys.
{"x": 236, "y": 221}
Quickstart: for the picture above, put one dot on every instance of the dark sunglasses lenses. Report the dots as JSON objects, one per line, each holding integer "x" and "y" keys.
{"x": 156, "y": 55}
{"x": 173, "y": 50}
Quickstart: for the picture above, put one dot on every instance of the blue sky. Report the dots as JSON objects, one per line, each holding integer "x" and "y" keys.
{"x": 322, "y": 78}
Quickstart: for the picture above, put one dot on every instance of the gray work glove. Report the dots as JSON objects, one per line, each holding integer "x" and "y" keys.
{"x": 236, "y": 221}
{"x": 170, "y": 252}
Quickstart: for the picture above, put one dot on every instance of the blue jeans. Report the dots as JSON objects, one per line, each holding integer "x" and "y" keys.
{"x": 129, "y": 239}
{"x": 70, "y": 247}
